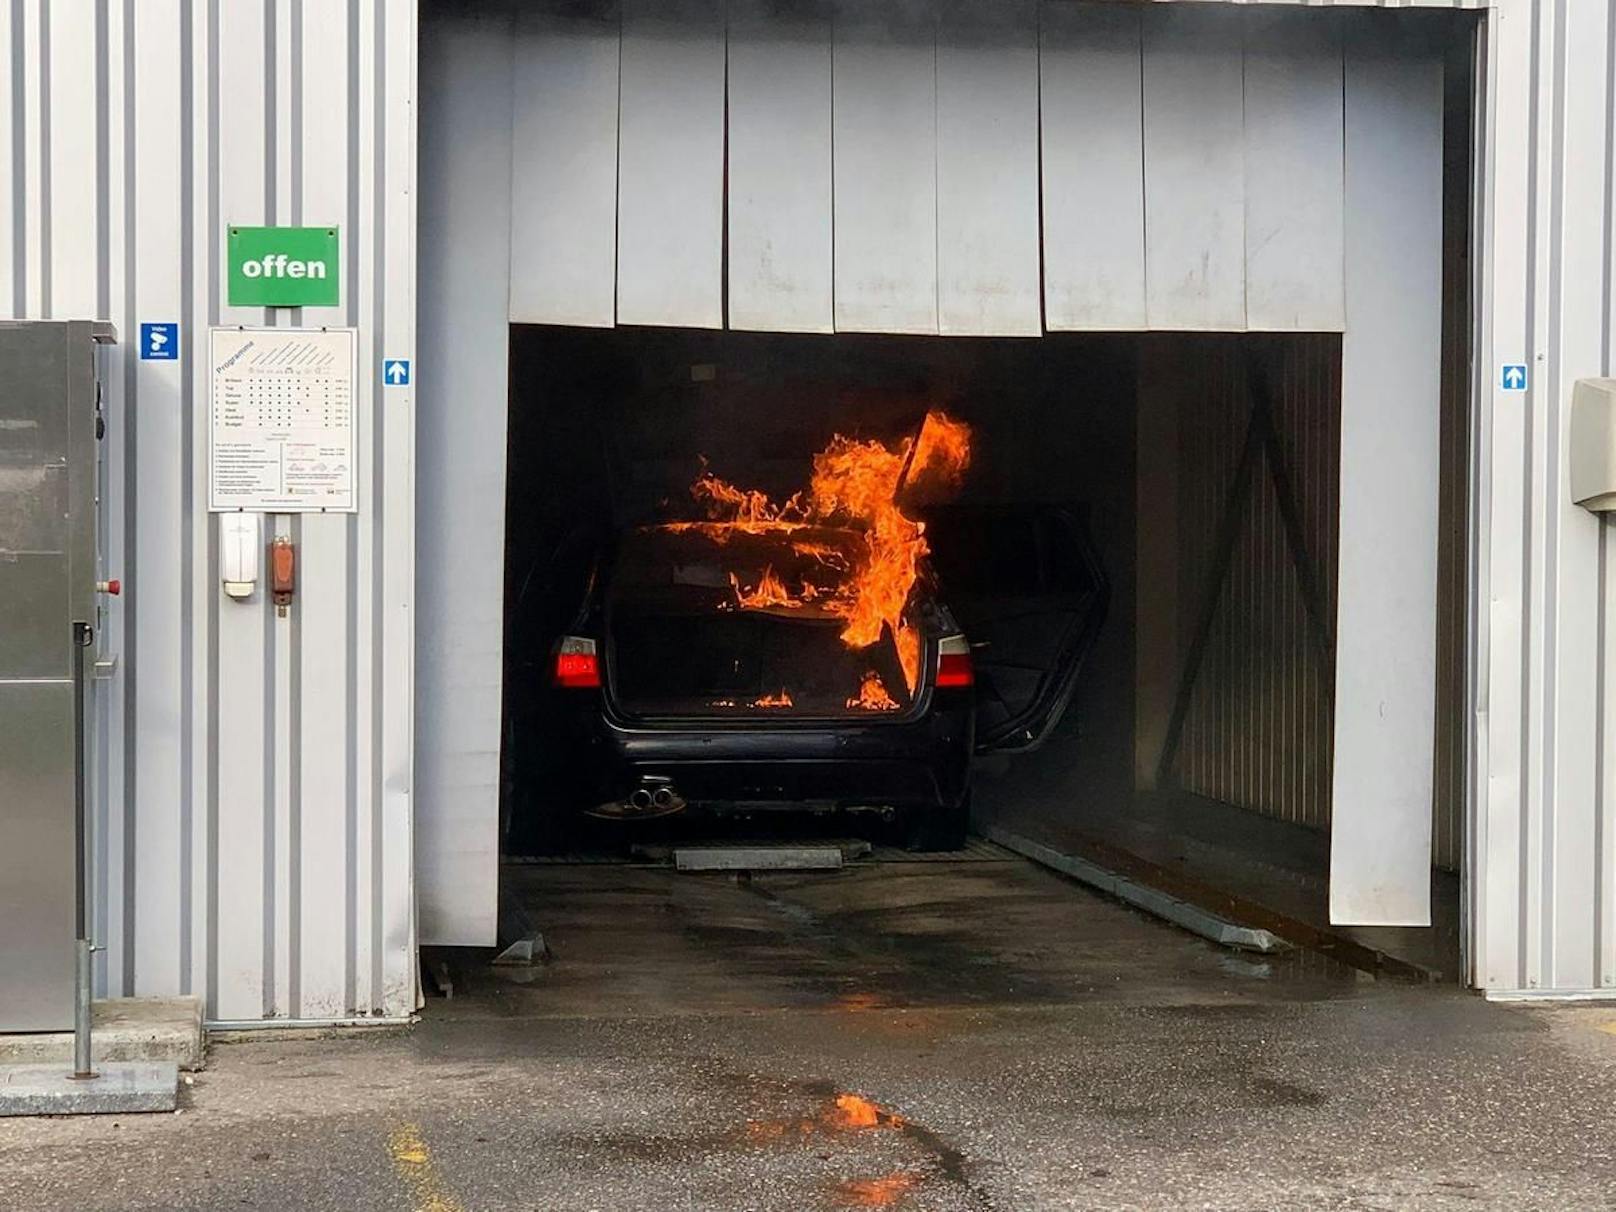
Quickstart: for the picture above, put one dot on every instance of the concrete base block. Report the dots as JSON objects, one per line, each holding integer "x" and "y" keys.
{"x": 119, "y": 1089}
{"x": 132, "y": 1029}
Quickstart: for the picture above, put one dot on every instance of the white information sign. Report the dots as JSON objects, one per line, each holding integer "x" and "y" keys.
{"x": 282, "y": 434}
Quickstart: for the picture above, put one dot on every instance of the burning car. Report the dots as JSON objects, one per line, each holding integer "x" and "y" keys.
{"x": 760, "y": 655}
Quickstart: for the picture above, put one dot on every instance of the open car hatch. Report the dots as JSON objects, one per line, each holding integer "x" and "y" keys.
{"x": 1028, "y": 588}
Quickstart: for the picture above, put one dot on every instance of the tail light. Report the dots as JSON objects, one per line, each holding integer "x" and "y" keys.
{"x": 577, "y": 664}
{"x": 954, "y": 669}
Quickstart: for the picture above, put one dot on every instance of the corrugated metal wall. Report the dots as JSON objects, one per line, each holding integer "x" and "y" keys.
{"x": 133, "y": 131}
{"x": 253, "y": 788}
{"x": 1259, "y": 729}
{"x": 1543, "y": 858}
{"x": 1260, "y": 726}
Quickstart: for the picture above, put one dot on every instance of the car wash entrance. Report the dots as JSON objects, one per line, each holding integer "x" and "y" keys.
{"x": 1047, "y": 419}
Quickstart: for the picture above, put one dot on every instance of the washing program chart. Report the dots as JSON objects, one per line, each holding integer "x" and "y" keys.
{"x": 282, "y": 433}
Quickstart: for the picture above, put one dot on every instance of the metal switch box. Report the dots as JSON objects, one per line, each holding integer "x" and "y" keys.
{"x": 1593, "y": 444}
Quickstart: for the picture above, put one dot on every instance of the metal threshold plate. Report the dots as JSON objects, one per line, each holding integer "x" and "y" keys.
{"x": 757, "y": 858}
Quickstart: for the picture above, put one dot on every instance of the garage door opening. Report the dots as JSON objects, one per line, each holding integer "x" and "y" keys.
{"x": 1190, "y": 276}
{"x": 1141, "y": 551}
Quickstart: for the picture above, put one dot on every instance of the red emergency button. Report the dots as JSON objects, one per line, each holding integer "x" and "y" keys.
{"x": 114, "y": 587}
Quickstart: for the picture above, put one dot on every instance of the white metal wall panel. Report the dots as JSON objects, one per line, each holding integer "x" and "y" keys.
{"x": 35, "y": 156}
{"x": 885, "y": 147}
{"x": 252, "y": 811}
{"x": 159, "y": 469}
{"x": 987, "y": 170}
{"x": 1577, "y": 850}
{"x": 112, "y": 769}
{"x": 1195, "y": 270}
{"x": 1293, "y": 172}
{"x": 11, "y": 122}
{"x": 71, "y": 214}
{"x": 324, "y": 655}
{"x": 385, "y": 973}
{"x": 564, "y": 168}
{"x": 244, "y": 631}
{"x": 670, "y": 190}
{"x": 460, "y": 521}
{"x": 196, "y": 41}
{"x": 1093, "y": 167}
{"x": 1385, "y": 688}
{"x": 286, "y": 747}
{"x": 779, "y": 168}
{"x": 1501, "y": 558}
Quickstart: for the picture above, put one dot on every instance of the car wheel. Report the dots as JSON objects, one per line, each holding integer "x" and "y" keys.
{"x": 942, "y": 828}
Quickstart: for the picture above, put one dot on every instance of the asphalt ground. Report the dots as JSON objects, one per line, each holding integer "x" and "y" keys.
{"x": 978, "y": 1034}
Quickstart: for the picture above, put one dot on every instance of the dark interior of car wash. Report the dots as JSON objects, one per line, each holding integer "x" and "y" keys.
{"x": 1027, "y": 543}
{"x": 1151, "y": 678}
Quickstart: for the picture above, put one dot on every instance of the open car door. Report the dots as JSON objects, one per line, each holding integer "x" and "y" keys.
{"x": 1026, "y": 584}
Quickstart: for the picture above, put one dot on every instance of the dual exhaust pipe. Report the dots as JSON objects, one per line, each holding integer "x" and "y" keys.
{"x": 654, "y": 797}
{"x": 659, "y": 796}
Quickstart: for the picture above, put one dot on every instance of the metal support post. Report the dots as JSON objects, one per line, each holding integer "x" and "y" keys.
{"x": 82, "y": 638}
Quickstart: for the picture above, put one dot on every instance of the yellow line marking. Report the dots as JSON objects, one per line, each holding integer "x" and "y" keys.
{"x": 1608, "y": 1028}
{"x": 413, "y": 1161}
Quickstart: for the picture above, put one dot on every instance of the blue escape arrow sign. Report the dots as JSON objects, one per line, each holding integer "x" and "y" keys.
{"x": 1512, "y": 376}
{"x": 396, "y": 372}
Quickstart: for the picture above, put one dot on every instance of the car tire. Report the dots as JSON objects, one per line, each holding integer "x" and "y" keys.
{"x": 542, "y": 830}
{"x": 942, "y": 828}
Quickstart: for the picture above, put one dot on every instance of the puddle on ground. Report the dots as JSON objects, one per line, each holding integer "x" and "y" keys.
{"x": 883, "y": 1192}
{"x": 838, "y": 1117}
{"x": 844, "y": 1113}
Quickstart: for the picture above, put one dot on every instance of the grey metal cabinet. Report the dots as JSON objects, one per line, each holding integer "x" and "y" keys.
{"x": 48, "y": 420}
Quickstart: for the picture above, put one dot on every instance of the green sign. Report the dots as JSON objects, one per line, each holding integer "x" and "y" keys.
{"x": 283, "y": 266}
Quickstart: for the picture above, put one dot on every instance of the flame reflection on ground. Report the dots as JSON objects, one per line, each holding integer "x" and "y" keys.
{"x": 844, "y": 1113}
{"x": 880, "y": 1192}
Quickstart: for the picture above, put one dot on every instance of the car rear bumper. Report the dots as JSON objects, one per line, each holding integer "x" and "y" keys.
{"x": 913, "y": 764}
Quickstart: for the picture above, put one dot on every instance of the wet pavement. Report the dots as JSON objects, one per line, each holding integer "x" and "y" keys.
{"x": 977, "y": 1034}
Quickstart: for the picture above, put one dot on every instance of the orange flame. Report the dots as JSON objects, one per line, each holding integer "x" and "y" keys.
{"x": 783, "y": 699}
{"x": 744, "y": 509}
{"x": 858, "y": 483}
{"x": 823, "y": 552}
{"x": 872, "y": 695}
{"x": 770, "y": 591}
